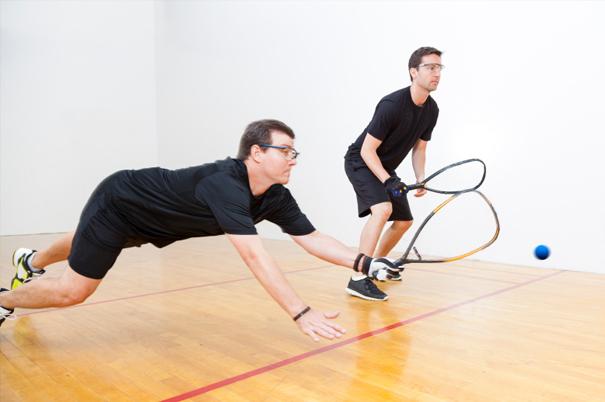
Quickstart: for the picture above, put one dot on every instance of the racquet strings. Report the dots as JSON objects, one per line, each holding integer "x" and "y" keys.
{"x": 462, "y": 177}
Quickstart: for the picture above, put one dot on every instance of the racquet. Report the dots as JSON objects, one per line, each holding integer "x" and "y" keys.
{"x": 458, "y": 179}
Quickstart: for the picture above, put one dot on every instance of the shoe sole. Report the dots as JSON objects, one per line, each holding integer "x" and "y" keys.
{"x": 389, "y": 279}
{"x": 357, "y": 294}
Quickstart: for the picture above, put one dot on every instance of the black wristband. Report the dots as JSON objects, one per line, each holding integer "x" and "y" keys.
{"x": 356, "y": 263}
{"x": 305, "y": 311}
{"x": 365, "y": 266}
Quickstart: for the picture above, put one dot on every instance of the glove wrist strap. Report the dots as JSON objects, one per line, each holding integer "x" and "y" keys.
{"x": 365, "y": 263}
{"x": 356, "y": 263}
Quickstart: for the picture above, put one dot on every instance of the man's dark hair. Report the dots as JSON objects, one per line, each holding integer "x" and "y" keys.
{"x": 416, "y": 57}
{"x": 259, "y": 132}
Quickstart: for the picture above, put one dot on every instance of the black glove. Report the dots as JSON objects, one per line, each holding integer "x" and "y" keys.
{"x": 394, "y": 186}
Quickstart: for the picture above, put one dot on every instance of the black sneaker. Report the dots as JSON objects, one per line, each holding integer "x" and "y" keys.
{"x": 5, "y": 312}
{"x": 393, "y": 275}
{"x": 366, "y": 289}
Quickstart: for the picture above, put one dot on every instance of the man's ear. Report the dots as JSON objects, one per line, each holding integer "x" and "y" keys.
{"x": 255, "y": 152}
{"x": 413, "y": 73}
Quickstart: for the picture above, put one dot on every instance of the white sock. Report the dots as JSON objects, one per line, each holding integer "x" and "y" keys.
{"x": 28, "y": 261}
{"x": 359, "y": 277}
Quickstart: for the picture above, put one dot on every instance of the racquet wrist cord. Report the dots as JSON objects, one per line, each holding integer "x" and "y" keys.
{"x": 303, "y": 312}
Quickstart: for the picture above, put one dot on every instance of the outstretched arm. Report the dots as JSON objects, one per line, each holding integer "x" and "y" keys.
{"x": 313, "y": 323}
{"x": 329, "y": 249}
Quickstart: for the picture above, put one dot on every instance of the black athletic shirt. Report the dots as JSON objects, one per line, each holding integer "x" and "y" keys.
{"x": 161, "y": 206}
{"x": 398, "y": 122}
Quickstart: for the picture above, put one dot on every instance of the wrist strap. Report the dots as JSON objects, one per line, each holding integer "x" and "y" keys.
{"x": 356, "y": 264}
{"x": 365, "y": 267}
{"x": 305, "y": 311}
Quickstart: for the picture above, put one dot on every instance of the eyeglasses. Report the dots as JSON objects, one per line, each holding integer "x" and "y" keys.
{"x": 289, "y": 152}
{"x": 433, "y": 67}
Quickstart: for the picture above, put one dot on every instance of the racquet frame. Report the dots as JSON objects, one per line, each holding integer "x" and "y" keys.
{"x": 405, "y": 258}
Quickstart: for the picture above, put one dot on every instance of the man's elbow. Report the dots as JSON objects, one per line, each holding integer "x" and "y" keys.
{"x": 249, "y": 255}
{"x": 252, "y": 258}
{"x": 309, "y": 242}
{"x": 366, "y": 154}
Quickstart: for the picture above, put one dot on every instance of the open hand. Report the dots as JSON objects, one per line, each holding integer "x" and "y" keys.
{"x": 316, "y": 324}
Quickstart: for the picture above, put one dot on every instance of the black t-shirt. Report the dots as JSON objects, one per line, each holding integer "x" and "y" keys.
{"x": 398, "y": 122}
{"x": 161, "y": 206}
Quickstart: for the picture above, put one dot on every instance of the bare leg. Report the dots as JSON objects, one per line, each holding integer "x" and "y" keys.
{"x": 58, "y": 251}
{"x": 373, "y": 227}
{"x": 69, "y": 289}
{"x": 391, "y": 237}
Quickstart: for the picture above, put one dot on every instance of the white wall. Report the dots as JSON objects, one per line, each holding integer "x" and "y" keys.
{"x": 521, "y": 90}
{"x": 77, "y": 101}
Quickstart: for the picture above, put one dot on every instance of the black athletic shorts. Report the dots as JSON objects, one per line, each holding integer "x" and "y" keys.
{"x": 370, "y": 191}
{"x": 101, "y": 234}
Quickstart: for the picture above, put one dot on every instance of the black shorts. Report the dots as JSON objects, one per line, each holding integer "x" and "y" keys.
{"x": 370, "y": 191}
{"x": 101, "y": 234}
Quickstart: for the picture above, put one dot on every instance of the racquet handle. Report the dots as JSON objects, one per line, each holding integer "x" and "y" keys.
{"x": 406, "y": 188}
{"x": 410, "y": 187}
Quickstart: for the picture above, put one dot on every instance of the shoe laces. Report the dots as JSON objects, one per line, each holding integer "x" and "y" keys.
{"x": 7, "y": 313}
{"x": 35, "y": 274}
{"x": 369, "y": 284}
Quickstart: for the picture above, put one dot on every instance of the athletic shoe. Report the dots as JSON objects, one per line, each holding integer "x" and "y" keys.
{"x": 24, "y": 273}
{"x": 366, "y": 289}
{"x": 5, "y": 313}
{"x": 393, "y": 275}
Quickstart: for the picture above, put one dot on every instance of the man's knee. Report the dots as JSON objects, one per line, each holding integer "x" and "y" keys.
{"x": 382, "y": 211}
{"x": 75, "y": 288}
{"x": 401, "y": 226}
{"x": 75, "y": 295}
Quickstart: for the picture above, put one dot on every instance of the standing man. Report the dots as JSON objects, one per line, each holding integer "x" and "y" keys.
{"x": 403, "y": 121}
{"x": 161, "y": 206}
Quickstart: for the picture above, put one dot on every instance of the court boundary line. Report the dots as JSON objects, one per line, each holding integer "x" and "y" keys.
{"x": 285, "y": 362}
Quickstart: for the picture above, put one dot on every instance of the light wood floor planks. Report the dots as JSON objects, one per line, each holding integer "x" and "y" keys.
{"x": 191, "y": 321}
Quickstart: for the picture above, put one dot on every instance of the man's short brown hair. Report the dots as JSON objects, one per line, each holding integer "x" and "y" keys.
{"x": 416, "y": 57}
{"x": 259, "y": 132}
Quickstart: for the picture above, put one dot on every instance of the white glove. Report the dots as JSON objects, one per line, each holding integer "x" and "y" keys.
{"x": 377, "y": 268}
{"x": 381, "y": 267}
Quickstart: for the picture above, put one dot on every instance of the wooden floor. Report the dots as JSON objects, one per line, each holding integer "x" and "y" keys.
{"x": 190, "y": 322}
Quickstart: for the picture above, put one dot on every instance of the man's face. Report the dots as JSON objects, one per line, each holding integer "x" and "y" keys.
{"x": 428, "y": 74}
{"x": 278, "y": 162}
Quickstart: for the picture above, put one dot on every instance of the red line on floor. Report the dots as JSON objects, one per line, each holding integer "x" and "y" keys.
{"x": 159, "y": 292}
{"x": 337, "y": 345}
